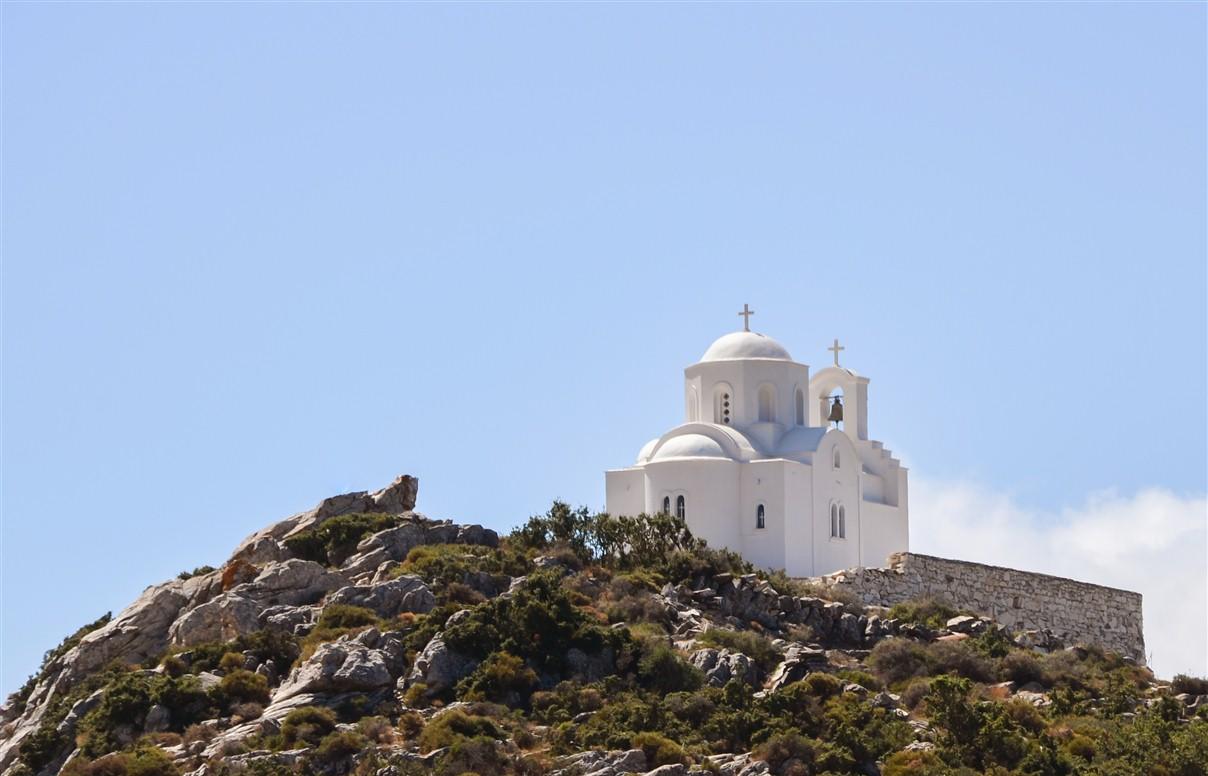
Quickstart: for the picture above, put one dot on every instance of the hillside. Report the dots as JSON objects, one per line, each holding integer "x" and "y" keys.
{"x": 361, "y": 637}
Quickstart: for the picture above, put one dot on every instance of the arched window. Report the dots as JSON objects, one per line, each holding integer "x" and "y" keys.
{"x": 760, "y": 521}
{"x": 693, "y": 408}
{"x": 767, "y": 404}
{"x": 835, "y": 520}
{"x": 666, "y": 505}
{"x": 842, "y": 522}
{"x": 835, "y": 458}
{"x": 680, "y": 511}
{"x": 799, "y": 405}
{"x": 721, "y": 404}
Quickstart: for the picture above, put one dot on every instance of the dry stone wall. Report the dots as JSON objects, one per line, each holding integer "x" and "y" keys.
{"x": 1075, "y": 612}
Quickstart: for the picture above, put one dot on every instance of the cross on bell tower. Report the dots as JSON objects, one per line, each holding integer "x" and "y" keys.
{"x": 835, "y": 349}
{"x": 746, "y": 317}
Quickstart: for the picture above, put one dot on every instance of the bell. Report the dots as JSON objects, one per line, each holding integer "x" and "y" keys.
{"x": 836, "y": 411}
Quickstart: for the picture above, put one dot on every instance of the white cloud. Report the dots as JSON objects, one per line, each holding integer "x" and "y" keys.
{"x": 1154, "y": 542}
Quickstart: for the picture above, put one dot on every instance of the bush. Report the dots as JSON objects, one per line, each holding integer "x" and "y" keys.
{"x": 862, "y": 678}
{"x": 478, "y": 755}
{"x": 306, "y": 726}
{"x": 659, "y": 750}
{"x": 277, "y": 646}
{"x": 340, "y": 745}
{"x": 118, "y": 718}
{"x": 410, "y": 724}
{"x": 822, "y": 685}
{"x": 341, "y": 616}
{"x": 377, "y": 730}
{"x": 242, "y": 686}
{"x": 931, "y": 612}
{"x": 915, "y": 691}
{"x": 661, "y": 670}
{"x": 896, "y": 660}
{"x": 333, "y": 541}
{"x": 753, "y": 645}
{"x": 780, "y": 749}
{"x": 197, "y": 572}
{"x": 231, "y": 661}
{"x": 144, "y": 760}
{"x": 1182, "y": 683}
{"x": 501, "y": 678}
{"x": 454, "y": 726}
{"x": 916, "y": 763}
{"x": 1021, "y": 668}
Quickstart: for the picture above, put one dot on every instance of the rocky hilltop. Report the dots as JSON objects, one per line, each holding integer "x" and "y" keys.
{"x": 362, "y": 637}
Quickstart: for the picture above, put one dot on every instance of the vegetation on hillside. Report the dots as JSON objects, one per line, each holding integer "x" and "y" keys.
{"x": 584, "y": 653}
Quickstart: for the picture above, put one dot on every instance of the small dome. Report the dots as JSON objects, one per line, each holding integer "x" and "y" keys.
{"x": 644, "y": 453}
{"x": 801, "y": 439}
{"x": 745, "y": 344}
{"x": 690, "y": 446}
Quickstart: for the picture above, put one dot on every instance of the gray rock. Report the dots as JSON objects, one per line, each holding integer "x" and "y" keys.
{"x": 290, "y": 619}
{"x": 292, "y": 582}
{"x": 389, "y": 599}
{"x": 441, "y": 533}
{"x": 158, "y": 719}
{"x": 961, "y": 624}
{"x": 720, "y": 666}
{"x": 394, "y": 542}
{"x": 799, "y": 661}
{"x": 673, "y": 769}
{"x": 439, "y": 667}
{"x": 226, "y": 617}
{"x": 362, "y": 662}
{"x": 397, "y": 497}
{"x": 476, "y": 534}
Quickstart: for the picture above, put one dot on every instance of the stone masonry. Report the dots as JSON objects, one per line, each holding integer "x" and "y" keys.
{"x": 1074, "y": 612}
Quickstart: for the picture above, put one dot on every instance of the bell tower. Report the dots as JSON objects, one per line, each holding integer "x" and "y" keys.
{"x": 852, "y": 406}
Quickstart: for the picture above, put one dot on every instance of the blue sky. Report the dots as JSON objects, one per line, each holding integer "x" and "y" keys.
{"x": 254, "y": 255}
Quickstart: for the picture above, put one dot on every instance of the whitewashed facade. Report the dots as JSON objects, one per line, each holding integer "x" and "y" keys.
{"x": 756, "y": 467}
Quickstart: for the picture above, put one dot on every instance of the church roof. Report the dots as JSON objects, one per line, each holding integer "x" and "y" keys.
{"x": 745, "y": 344}
{"x": 690, "y": 446}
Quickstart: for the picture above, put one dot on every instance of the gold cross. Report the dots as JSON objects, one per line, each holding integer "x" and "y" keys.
{"x": 835, "y": 349}
{"x": 746, "y": 317}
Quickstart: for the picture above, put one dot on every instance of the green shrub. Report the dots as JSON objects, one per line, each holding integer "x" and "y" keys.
{"x": 1021, "y": 667}
{"x": 231, "y": 661}
{"x": 453, "y": 726}
{"x": 281, "y": 648}
{"x": 896, "y": 660}
{"x": 823, "y": 685}
{"x": 197, "y": 572}
{"x": 340, "y": 616}
{"x": 659, "y": 750}
{"x": 306, "y": 726}
{"x": 755, "y": 646}
{"x": 931, "y": 612}
{"x": 780, "y": 749}
{"x": 477, "y": 755}
{"x": 340, "y": 745}
{"x": 662, "y": 671}
{"x": 143, "y": 760}
{"x": 501, "y": 678}
{"x": 336, "y": 539}
{"x": 118, "y": 717}
{"x": 862, "y": 678}
{"x": 916, "y": 763}
{"x": 242, "y": 686}
{"x": 1192, "y": 685}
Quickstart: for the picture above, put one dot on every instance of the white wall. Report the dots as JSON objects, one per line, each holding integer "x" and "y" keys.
{"x": 624, "y": 491}
{"x": 711, "y": 489}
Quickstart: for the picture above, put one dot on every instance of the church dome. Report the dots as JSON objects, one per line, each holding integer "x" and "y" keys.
{"x": 745, "y": 344}
{"x": 690, "y": 446}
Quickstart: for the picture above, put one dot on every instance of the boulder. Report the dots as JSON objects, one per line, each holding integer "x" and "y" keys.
{"x": 438, "y": 667}
{"x": 798, "y": 661}
{"x": 397, "y": 497}
{"x": 476, "y": 534}
{"x": 961, "y": 624}
{"x": 222, "y": 619}
{"x": 388, "y": 599}
{"x": 395, "y": 542}
{"x": 364, "y": 662}
{"x": 292, "y": 582}
{"x": 722, "y": 665}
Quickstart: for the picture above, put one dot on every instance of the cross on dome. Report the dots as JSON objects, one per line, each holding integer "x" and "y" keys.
{"x": 835, "y": 349}
{"x": 746, "y": 317}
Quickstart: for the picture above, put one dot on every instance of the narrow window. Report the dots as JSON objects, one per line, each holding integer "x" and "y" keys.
{"x": 760, "y": 521}
{"x": 800, "y": 407}
{"x": 680, "y": 512}
{"x": 835, "y": 460}
{"x": 721, "y": 404}
{"x": 767, "y": 404}
{"x": 834, "y": 520}
{"x": 842, "y": 522}
{"x": 666, "y": 505}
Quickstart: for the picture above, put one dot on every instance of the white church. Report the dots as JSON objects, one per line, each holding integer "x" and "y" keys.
{"x": 772, "y": 463}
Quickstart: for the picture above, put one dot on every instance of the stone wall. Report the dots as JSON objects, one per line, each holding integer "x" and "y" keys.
{"x": 1075, "y": 612}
